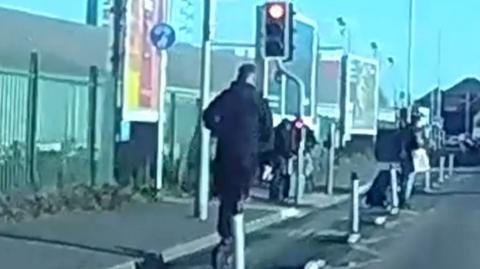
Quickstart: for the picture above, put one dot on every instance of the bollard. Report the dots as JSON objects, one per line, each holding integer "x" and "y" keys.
{"x": 354, "y": 236}
{"x": 451, "y": 159}
{"x": 394, "y": 188}
{"x": 300, "y": 174}
{"x": 331, "y": 161}
{"x": 239, "y": 241}
{"x": 441, "y": 172}
{"x": 428, "y": 181}
{"x": 411, "y": 182}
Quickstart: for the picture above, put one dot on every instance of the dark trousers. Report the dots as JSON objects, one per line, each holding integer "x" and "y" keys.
{"x": 228, "y": 208}
{"x": 280, "y": 185}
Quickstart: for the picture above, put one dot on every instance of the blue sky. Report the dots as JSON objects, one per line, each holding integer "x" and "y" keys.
{"x": 383, "y": 21}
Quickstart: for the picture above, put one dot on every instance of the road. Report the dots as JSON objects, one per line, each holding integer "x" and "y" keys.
{"x": 440, "y": 232}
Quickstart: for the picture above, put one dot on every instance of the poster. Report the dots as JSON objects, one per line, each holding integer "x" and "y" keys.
{"x": 362, "y": 90}
{"x": 144, "y": 67}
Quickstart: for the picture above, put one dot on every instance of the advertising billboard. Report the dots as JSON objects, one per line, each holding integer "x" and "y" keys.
{"x": 144, "y": 67}
{"x": 329, "y": 74}
{"x": 362, "y": 93}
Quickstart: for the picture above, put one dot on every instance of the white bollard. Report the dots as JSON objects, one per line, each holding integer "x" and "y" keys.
{"x": 331, "y": 161}
{"x": 355, "y": 236}
{"x": 300, "y": 171}
{"x": 428, "y": 181}
{"x": 394, "y": 187}
{"x": 441, "y": 172}
{"x": 316, "y": 264}
{"x": 451, "y": 159}
{"x": 239, "y": 241}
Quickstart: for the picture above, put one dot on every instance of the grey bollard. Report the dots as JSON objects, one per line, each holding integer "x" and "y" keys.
{"x": 331, "y": 161}
{"x": 394, "y": 188}
{"x": 300, "y": 174}
{"x": 354, "y": 236}
{"x": 451, "y": 159}
{"x": 428, "y": 181}
{"x": 239, "y": 241}
{"x": 441, "y": 172}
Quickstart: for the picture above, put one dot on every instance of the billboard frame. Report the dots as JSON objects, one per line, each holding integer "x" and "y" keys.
{"x": 346, "y": 103}
{"x": 159, "y": 70}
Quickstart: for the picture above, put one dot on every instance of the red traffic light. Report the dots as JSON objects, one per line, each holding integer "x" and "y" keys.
{"x": 276, "y": 11}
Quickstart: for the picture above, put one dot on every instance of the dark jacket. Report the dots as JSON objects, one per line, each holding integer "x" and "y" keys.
{"x": 310, "y": 140}
{"x": 267, "y": 134}
{"x": 283, "y": 139}
{"x": 234, "y": 117}
{"x": 287, "y": 139}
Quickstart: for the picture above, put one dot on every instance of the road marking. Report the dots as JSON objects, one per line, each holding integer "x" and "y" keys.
{"x": 410, "y": 212}
{"x": 375, "y": 240}
{"x": 366, "y": 249}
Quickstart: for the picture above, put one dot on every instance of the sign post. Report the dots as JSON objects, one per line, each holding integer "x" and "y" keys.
{"x": 162, "y": 37}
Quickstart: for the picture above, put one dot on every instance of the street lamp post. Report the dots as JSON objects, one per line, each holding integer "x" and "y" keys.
{"x": 374, "y": 47}
{"x": 345, "y": 32}
{"x": 391, "y": 65}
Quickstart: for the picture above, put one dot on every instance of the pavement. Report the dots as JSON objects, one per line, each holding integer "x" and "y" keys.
{"x": 441, "y": 231}
{"x": 106, "y": 240}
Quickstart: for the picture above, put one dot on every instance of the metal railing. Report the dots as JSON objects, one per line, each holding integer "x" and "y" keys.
{"x": 52, "y": 128}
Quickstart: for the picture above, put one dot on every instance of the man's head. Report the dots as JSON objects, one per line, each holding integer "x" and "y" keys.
{"x": 246, "y": 74}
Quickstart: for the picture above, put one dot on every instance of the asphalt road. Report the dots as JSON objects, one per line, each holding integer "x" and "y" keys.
{"x": 441, "y": 231}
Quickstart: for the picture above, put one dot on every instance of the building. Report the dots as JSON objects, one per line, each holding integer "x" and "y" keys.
{"x": 460, "y": 104}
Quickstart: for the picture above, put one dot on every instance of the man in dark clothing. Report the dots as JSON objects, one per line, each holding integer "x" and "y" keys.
{"x": 279, "y": 187}
{"x": 235, "y": 118}
{"x": 408, "y": 145}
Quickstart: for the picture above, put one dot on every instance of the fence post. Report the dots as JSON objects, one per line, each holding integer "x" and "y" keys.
{"x": 173, "y": 126}
{"x": 32, "y": 117}
{"x": 92, "y": 121}
{"x": 354, "y": 235}
{"x": 331, "y": 161}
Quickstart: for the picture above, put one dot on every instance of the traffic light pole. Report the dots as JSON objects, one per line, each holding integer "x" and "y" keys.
{"x": 201, "y": 203}
{"x": 300, "y": 182}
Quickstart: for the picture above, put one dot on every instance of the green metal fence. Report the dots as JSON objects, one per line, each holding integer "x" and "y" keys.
{"x": 54, "y": 130}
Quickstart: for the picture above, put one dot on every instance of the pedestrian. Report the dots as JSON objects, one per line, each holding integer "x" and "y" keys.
{"x": 235, "y": 119}
{"x": 409, "y": 143}
{"x": 280, "y": 186}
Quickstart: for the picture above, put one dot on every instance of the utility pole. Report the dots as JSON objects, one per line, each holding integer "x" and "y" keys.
{"x": 438, "y": 110}
{"x": 410, "y": 51}
{"x": 201, "y": 203}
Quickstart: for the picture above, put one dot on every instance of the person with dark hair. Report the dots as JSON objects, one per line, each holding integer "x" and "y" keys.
{"x": 235, "y": 119}
{"x": 409, "y": 143}
{"x": 280, "y": 185}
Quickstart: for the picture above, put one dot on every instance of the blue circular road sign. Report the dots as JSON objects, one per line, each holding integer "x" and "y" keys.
{"x": 162, "y": 36}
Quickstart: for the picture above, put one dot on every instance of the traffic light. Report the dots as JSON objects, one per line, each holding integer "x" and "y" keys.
{"x": 277, "y": 32}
